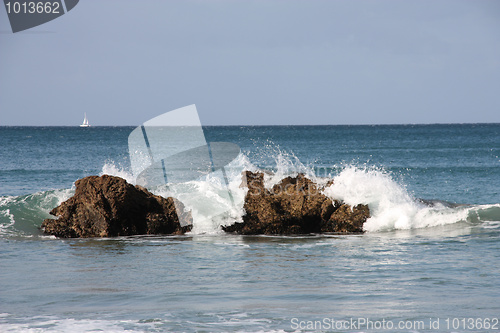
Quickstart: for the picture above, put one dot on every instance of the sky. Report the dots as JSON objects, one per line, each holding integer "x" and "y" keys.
{"x": 265, "y": 62}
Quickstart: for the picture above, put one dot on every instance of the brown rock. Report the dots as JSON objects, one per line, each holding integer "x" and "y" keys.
{"x": 296, "y": 205}
{"x": 108, "y": 206}
{"x": 347, "y": 219}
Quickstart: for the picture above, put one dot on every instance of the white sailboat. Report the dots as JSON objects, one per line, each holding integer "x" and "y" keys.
{"x": 85, "y": 121}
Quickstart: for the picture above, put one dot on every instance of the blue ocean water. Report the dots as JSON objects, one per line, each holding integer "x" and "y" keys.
{"x": 417, "y": 268}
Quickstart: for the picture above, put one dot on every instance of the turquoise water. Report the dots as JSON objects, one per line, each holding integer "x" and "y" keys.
{"x": 426, "y": 268}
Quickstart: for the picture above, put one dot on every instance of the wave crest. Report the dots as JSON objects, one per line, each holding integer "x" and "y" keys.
{"x": 391, "y": 205}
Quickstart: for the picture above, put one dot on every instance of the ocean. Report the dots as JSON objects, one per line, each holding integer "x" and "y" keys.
{"x": 428, "y": 261}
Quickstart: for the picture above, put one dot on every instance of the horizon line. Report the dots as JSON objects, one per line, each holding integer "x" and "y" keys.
{"x": 277, "y": 125}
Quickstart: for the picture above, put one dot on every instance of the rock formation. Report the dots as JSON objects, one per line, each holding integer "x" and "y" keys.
{"x": 296, "y": 205}
{"x": 108, "y": 206}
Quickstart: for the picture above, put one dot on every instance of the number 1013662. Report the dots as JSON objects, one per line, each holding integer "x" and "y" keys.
{"x": 32, "y": 7}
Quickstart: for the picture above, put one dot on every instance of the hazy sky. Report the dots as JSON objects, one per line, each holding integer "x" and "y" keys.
{"x": 255, "y": 62}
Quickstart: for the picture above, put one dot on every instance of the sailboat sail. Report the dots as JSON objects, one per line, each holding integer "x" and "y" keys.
{"x": 85, "y": 121}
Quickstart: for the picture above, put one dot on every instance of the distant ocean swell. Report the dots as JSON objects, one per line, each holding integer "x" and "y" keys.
{"x": 392, "y": 206}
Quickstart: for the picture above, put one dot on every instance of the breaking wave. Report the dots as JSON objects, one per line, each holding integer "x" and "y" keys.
{"x": 22, "y": 215}
{"x": 391, "y": 205}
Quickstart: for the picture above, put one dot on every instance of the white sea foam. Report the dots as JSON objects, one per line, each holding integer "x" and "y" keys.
{"x": 51, "y": 199}
{"x": 6, "y": 222}
{"x": 391, "y": 206}
{"x": 224, "y": 322}
{"x": 110, "y": 168}
{"x": 212, "y": 202}
{"x": 47, "y": 324}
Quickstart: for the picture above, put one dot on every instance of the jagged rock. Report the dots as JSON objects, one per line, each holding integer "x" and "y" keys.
{"x": 296, "y": 205}
{"x": 108, "y": 206}
{"x": 346, "y": 218}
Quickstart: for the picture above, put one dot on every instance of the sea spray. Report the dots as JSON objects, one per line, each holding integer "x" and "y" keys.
{"x": 287, "y": 164}
{"x": 208, "y": 198}
{"x": 391, "y": 205}
{"x": 278, "y": 163}
{"x": 111, "y": 169}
